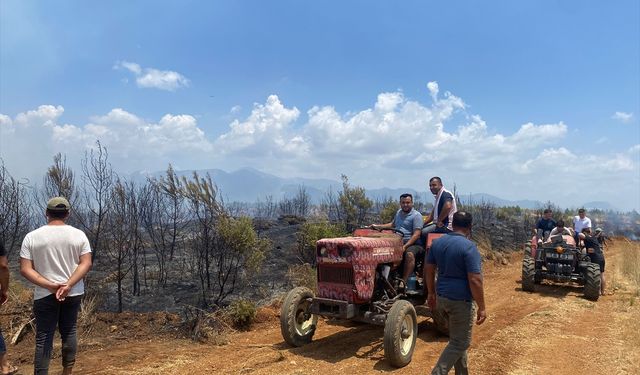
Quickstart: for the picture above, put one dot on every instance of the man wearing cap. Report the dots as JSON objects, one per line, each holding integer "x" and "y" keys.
{"x": 602, "y": 238}
{"x": 56, "y": 257}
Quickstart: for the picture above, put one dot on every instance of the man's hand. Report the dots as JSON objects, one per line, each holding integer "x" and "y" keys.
{"x": 62, "y": 292}
{"x": 482, "y": 316}
{"x": 431, "y": 301}
{"x": 3, "y": 297}
{"x": 439, "y": 224}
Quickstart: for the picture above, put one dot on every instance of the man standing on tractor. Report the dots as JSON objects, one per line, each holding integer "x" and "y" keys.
{"x": 580, "y": 222}
{"x": 545, "y": 225}
{"x": 440, "y": 218}
{"x": 408, "y": 221}
{"x": 459, "y": 291}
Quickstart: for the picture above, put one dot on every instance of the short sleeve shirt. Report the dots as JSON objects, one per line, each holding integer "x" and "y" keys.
{"x": 546, "y": 224}
{"x": 407, "y": 223}
{"x": 455, "y": 257}
{"x": 591, "y": 242}
{"x": 55, "y": 251}
{"x": 444, "y": 198}
{"x": 580, "y": 224}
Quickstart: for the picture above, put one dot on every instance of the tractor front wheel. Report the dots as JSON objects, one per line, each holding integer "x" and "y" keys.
{"x": 400, "y": 332}
{"x": 296, "y": 321}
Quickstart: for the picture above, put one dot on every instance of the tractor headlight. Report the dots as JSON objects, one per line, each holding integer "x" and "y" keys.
{"x": 345, "y": 251}
{"x": 322, "y": 252}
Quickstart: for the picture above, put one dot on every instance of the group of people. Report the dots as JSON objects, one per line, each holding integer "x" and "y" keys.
{"x": 55, "y": 258}
{"x": 593, "y": 243}
{"x": 454, "y": 258}
{"x": 459, "y": 293}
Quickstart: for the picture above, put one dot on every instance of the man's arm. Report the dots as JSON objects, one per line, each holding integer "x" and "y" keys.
{"x": 429, "y": 217}
{"x": 382, "y": 226}
{"x": 81, "y": 271}
{"x": 414, "y": 237}
{"x": 477, "y": 291}
{"x": 442, "y": 215}
{"x": 29, "y": 273}
{"x": 4, "y": 279}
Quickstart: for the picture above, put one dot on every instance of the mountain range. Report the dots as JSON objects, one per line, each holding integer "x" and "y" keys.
{"x": 250, "y": 185}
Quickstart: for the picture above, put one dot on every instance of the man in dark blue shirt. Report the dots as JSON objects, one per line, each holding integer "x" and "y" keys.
{"x": 458, "y": 264}
{"x": 545, "y": 225}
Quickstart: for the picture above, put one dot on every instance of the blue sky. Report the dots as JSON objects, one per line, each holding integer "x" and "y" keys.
{"x": 499, "y": 97}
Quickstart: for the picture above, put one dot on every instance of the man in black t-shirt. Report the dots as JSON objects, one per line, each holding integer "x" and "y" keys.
{"x": 545, "y": 225}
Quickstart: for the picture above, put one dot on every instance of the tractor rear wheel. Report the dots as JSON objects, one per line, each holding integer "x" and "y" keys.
{"x": 592, "y": 281}
{"x": 441, "y": 322}
{"x": 528, "y": 274}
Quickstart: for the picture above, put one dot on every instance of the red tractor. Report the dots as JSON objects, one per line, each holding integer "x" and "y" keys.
{"x": 560, "y": 260}
{"x": 359, "y": 278}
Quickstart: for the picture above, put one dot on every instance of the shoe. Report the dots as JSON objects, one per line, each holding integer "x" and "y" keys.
{"x": 12, "y": 370}
{"x": 402, "y": 287}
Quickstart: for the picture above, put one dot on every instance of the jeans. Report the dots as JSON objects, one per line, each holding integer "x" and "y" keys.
{"x": 460, "y": 315}
{"x": 49, "y": 313}
{"x": 3, "y": 346}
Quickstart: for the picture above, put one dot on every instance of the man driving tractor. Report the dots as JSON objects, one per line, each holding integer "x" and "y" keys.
{"x": 409, "y": 222}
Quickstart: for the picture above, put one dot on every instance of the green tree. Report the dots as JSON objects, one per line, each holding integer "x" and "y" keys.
{"x": 354, "y": 205}
{"x": 310, "y": 233}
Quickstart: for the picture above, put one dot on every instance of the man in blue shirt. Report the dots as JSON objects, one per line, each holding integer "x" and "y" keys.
{"x": 409, "y": 222}
{"x": 545, "y": 225}
{"x": 458, "y": 264}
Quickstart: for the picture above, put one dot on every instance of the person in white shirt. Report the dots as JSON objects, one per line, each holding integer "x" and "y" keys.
{"x": 56, "y": 257}
{"x": 559, "y": 229}
{"x": 580, "y": 222}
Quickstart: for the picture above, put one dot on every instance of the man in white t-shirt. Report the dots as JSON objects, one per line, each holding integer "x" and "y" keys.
{"x": 580, "y": 222}
{"x": 56, "y": 257}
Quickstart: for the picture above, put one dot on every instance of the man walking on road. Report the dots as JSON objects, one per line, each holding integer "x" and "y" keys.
{"x": 56, "y": 257}
{"x": 459, "y": 292}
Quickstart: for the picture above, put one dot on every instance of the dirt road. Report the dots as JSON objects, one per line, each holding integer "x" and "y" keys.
{"x": 554, "y": 331}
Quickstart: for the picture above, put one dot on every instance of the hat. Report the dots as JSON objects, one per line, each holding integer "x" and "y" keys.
{"x": 598, "y": 230}
{"x": 58, "y": 204}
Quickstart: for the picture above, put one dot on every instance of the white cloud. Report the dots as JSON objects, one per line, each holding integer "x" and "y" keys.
{"x": 623, "y": 117}
{"x": 395, "y": 142}
{"x": 265, "y": 132}
{"x": 154, "y": 78}
{"x": 133, "y": 142}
